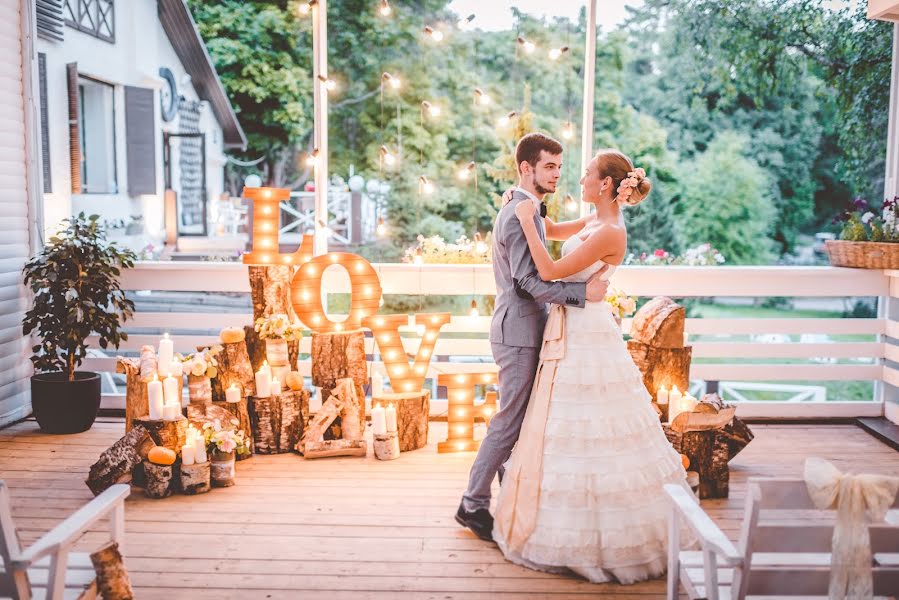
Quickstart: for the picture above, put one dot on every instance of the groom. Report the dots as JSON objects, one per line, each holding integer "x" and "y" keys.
{"x": 519, "y": 315}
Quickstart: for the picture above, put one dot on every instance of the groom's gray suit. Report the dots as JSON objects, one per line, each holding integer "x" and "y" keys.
{"x": 516, "y": 334}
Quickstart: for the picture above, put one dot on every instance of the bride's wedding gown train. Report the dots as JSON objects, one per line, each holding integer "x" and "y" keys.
{"x": 588, "y": 498}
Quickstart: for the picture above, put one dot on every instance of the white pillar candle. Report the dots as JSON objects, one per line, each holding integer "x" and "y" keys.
{"x": 315, "y": 402}
{"x": 263, "y": 384}
{"x": 200, "y": 449}
{"x": 674, "y": 404}
{"x": 155, "y": 394}
{"x": 188, "y": 454}
{"x": 171, "y": 390}
{"x": 662, "y": 396}
{"x": 170, "y": 412}
{"x": 377, "y": 385}
{"x": 391, "y": 418}
{"x": 165, "y": 355}
{"x": 276, "y": 387}
{"x": 232, "y": 394}
{"x": 378, "y": 420}
{"x": 176, "y": 369}
{"x": 267, "y": 369}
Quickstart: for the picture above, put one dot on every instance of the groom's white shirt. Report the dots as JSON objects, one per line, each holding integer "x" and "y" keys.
{"x": 537, "y": 202}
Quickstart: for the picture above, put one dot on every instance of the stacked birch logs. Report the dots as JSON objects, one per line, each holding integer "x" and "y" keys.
{"x": 345, "y": 402}
{"x": 412, "y": 411}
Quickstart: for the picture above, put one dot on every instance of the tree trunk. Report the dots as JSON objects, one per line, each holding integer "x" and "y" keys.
{"x": 138, "y": 372}
{"x": 159, "y": 480}
{"x": 412, "y": 414}
{"x": 278, "y": 421}
{"x": 337, "y": 356}
{"x": 113, "y": 582}
{"x": 195, "y": 478}
{"x": 199, "y": 390}
{"x": 171, "y": 434}
{"x": 662, "y": 366}
{"x": 234, "y": 368}
{"x": 386, "y": 447}
{"x": 270, "y": 291}
{"x": 350, "y": 423}
{"x": 324, "y": 449}
{"x": 116, "y": 464}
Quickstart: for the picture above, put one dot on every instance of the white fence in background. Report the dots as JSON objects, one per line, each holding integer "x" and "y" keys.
{"x": 463, "y": 346}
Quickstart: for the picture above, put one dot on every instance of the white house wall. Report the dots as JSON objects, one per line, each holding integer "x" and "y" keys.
{"x": 141, "y": 48}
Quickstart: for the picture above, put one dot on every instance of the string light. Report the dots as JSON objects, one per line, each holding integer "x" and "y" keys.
{"x": 385, "y": 9}
{"x": 434, "y": 34}
{"x": 479, "y": 246}
{"x": 381, "y": 229}
{"x": 482, "y": 98}
{"x": 312, "y": 158}
{"x": 570, "y": 204}
{"x": 427, "y": 188}
{"x": 432, "y": 109}
{"x": 394, "y": 82}
{"x": 465, "y": 172}
{"x": 555, "y": 53}
{"x": 417, "y": 258}
{"x": 506, "y": 119}
{"x": 464, "y": 22}
{"x": 330, "y": 84}
{"x": 306, "y": 7}
{"x": 526, "y": 45}
{"x": 325, "y": 229}
{"x": 474, "y": 312}
{"x": 387, "y": 156}
{"x": 567, "y": 130}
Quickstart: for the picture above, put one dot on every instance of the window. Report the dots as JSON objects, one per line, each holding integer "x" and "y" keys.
{"x": 93, "y": 17}
{"x": 96, "y": 125}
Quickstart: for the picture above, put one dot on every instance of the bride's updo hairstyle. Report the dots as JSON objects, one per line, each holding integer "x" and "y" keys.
{"x": 632, "y": 184}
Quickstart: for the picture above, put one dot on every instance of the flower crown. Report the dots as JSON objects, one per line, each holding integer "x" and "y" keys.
{"x": 629, "y": 184}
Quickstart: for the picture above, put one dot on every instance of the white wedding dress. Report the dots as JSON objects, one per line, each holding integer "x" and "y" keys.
{"x": 600, "y": 509}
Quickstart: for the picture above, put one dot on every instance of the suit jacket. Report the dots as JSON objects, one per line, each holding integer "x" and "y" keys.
{"x": 519, "y": 314}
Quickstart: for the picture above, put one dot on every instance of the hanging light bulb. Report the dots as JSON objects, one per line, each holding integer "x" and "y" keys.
{"x": 427, "y": 188}
{"x": 479, "y": 246}
{"x": 464, "y": 22}
{"x": 394, "y": 82}
{"x": 330, "y": 84}
{"x": 506, "y": 119}
{"x": 325, "y": 229}
{"x": 432, "y": 109}
{"x": 465, "y": 172}
{"x": 312, "y": 158}
{"x": 385, "y": 9}
{"x": 482, "y": 98}
{"x": 417, "y": 258}
{"x": 387, "y": 156}
{"x": 434, "y": 34}
{"x": 381, "y": 229}
{"x": 306, "y": 7}
{"x": 570, "y": 204}
{"x": 555, "y": 53}
{"x": 567, "y": 130}
{"x": 474, "y": 312}
{"x": 526, "y": 45}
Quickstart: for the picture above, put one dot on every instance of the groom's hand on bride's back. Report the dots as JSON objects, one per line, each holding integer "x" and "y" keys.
{"x": 597, "y": 287}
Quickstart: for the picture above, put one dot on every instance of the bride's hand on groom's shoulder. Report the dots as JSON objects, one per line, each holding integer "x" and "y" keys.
{"x": 507, "y": 196}
{"x": 525, "y": 210}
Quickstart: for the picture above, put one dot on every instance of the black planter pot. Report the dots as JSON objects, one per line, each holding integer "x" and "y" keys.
{"x": 63, "y": 406}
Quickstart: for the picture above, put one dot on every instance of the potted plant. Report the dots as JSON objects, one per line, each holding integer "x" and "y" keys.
{"x": 277, "y": 330}
{"x": 75, "y": 281}
{"x": 868, "y": 240}
{"x": 223, "y": 445}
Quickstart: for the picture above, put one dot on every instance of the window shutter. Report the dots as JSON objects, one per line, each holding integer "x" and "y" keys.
{"x": 140, "y": 140}
{"x": 74, "y": 134}
{"x": 49, "y": 19}
{"x": 45, "y": 122}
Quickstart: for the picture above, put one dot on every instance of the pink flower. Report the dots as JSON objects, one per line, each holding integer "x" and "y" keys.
{"x": 227, "y": 445}
{"x": 660, "y": 253}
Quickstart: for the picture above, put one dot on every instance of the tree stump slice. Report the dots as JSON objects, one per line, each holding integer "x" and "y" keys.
{"x": 113, "y": 582}
{"x": 138, "y": 372}
{"x": 195, "y": 478}
{"x": 386, "y": 447}
{"x": 337, "y": 356}
{"x": 277, "y": 422}
{"x": 234, "y": 368}
{"x": 328, "y": 448}
{"x": 659, "y": 323}
{"x": 199, "y": 390}
{"x": 412, "y": 417}
{"x": 159, "y": 480}
{"x": 239, "y": 411}
{"x": 270, "y": 290}
{"x": 117, "y": 463}
{"x": 171, "y": 434}
{"x": 662, "y": 366}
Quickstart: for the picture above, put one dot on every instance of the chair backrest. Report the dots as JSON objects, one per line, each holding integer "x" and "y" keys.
{"x": 780, "y": 517}
{"x": 9, "y": 543}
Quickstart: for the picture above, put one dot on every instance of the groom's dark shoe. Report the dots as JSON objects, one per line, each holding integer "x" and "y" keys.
{"x": 479, "y": 521}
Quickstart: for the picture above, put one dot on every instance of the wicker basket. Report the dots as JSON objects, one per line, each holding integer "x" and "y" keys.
{"x": 863, "y": 255}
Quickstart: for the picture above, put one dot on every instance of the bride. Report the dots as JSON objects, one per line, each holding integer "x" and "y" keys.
{"x": 582, "y": 490}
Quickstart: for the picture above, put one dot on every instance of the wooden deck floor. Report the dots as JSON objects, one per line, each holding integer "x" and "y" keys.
{"x": 348, "y": 528}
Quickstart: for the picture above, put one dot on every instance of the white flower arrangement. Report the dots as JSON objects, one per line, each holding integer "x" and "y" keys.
{"x": 434, "y": 250}
{"x": 219, "y": 439}
{"x": 702, "y": 255}
{"x": 278, "y": 326}
{"x": 202, "y": 363}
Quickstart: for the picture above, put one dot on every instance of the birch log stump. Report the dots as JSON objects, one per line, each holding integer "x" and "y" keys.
{"x": 270, "y": 290}
{"x": 113, "y": 582}
{"x": 240, "y": 412}
{"x": 194, "y": 478}
{"x": 200, "y": 415}
{"x": 159, "y": 480}
{"x": 278, "y": 421}
{"x": 337, "y": 356}
{"x": 412, "y": 412}
{"x": 234, "y": 365}
{"x": 138, "y": 371}
{"x": 199, "y": 390}
{"x": 657, "y": 345}
{"x": 346, "y": 402}
{"x": 171, "y": 434}
{"x": 117, "y": 463}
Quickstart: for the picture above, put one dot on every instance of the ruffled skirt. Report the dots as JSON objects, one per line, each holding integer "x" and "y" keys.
{"x": 602, "y": 512}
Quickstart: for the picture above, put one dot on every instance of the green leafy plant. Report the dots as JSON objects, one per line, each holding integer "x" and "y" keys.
{"x": 75, "y": 281}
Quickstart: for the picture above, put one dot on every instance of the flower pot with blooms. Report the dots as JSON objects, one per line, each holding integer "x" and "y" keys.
{"x": 869, "y": 238}
{"x": 201, "y": 367}
{"x": 223, "y": 445}
{"x": 277, "y": 330}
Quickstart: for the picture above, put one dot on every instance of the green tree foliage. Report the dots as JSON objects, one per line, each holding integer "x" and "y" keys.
{"x": 727, "y": 202}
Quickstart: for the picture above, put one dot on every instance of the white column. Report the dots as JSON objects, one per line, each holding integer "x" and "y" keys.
{"x": 589, "y": 84}
{"x": 320, "y": 124}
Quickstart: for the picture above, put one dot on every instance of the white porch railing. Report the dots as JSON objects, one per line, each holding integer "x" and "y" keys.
{"x": 865, "y": 356}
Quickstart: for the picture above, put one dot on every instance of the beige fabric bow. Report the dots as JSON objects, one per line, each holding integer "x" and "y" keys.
{"x": 519, "y": 496}
{"x": 858, "y": 499}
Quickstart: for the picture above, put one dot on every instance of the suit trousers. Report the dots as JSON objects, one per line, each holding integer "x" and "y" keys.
{"x": 517, "y": 371}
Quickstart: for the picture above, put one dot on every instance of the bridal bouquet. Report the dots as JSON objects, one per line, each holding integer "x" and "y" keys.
{"x": 223, "y": 440}
{"x": 621, "y": 303}
{"x": 203, "y": 363}
{"x": 278, "y": 326}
